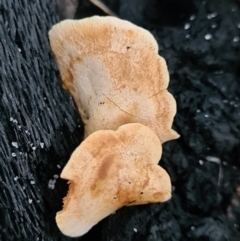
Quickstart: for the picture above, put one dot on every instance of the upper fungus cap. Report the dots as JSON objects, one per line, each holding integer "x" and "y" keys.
{"x": 112, "y": 69}
{"x": 108, "y": 170}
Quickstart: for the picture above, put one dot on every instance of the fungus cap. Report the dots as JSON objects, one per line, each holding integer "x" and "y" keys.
{"x": 108, "y": 170}
{"x": 113, "y": 71}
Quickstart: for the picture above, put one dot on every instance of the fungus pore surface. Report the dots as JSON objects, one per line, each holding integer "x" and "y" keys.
{"x": 108, "y": 170}
{"x": 112, "y": 69}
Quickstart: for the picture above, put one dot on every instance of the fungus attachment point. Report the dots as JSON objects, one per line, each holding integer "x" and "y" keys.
{"x": 109, "y": 170}
{"x": 114, "y": 73}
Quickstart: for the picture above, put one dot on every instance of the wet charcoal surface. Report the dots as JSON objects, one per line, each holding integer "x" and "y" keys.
{"x": 39, "y": 125}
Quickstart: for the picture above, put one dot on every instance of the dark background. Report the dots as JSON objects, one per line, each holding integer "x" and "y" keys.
{"x": 40, "y": 127}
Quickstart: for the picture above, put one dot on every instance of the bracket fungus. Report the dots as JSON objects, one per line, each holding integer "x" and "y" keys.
{"x": 109, "y": 170}
{"x": 112, "y": 69}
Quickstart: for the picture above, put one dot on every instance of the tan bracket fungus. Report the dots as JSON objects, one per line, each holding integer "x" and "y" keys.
{"x": 112, "y": 69}
{"x": 108, "y": 170}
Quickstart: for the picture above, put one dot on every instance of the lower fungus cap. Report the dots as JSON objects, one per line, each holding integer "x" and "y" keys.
{"x": 109, "y": 170}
